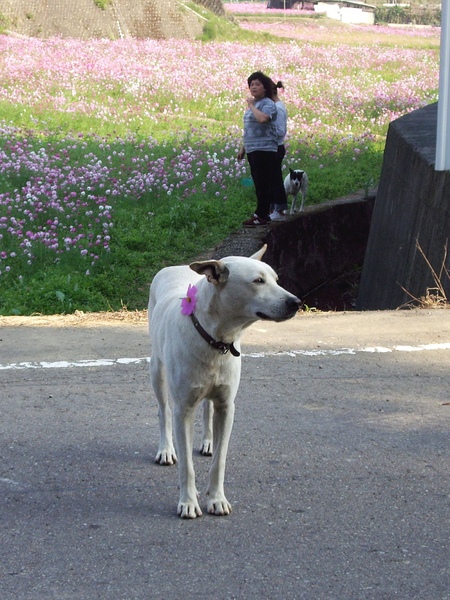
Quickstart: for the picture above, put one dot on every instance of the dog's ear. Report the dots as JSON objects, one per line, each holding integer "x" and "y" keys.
{"x": 215, "y": 271}
{"x": 259, "y": 254}
{"x": 291, "y": 171}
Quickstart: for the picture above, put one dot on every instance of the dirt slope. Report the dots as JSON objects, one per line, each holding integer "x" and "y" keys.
{"x": 157, "y": 19}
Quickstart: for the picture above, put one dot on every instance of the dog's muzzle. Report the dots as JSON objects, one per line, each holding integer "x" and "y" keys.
{"x": 291, "y": 308}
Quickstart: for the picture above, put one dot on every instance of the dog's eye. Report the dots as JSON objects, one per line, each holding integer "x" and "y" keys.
{"x": 259, "y": 280}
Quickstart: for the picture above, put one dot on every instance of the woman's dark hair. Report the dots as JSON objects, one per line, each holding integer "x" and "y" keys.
{"x": 266, "y": 81}
{"x": 277, "y": 85}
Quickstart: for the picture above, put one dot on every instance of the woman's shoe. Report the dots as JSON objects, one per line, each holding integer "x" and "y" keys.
{"x": 255, "y": 221}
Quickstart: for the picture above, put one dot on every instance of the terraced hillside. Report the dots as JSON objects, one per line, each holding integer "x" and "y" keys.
{"x": 157, "y": 19}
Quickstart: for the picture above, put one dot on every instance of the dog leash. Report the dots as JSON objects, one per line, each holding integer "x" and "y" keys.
{"x": 222, "y": 347}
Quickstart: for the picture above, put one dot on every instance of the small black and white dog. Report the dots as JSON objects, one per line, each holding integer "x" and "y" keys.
{"x": 295, "y": 182}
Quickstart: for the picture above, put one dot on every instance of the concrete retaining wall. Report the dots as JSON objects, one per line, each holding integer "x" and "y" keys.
{"x": 318, "y": 254}
{"x": 413, "y": 203}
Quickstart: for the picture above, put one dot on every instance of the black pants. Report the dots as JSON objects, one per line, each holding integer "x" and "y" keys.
{"x": 264, "y": 167}
{"x": 279, "y": 200}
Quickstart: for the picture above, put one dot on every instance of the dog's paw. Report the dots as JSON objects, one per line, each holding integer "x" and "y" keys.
{"x": 219, "y": 506}
{"x": 189, "y": 510}
{"x": 207, "y": 448}
{"x": 166, "y": 457}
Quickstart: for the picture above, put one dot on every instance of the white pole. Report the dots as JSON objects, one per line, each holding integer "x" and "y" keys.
{"x": 443, "y": 118}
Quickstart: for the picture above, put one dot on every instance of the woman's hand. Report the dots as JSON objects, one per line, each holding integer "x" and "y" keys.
{"x": 259, "y": 115}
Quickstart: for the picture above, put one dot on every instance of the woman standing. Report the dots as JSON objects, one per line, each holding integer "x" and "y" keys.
{"x": 279, "y": 194}
{"x": 260, "y": 144}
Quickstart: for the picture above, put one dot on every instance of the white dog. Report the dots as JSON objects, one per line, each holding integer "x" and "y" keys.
{"x": 294, "y": 183}
{"x": 195, "y": 334}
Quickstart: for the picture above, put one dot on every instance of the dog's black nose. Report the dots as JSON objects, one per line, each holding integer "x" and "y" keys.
{"x": 294, "y": 304}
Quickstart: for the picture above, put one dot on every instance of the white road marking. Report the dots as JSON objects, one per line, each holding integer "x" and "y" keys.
{"x": 7, "y": 481}
{"x": 63, "y": 364}
{"x": 110, "y": 362}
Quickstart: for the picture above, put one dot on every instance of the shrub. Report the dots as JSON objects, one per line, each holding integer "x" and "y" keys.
{"x": 415, "y": 15}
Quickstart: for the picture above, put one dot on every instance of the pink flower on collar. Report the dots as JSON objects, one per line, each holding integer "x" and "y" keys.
{"x": 188, "y": 303}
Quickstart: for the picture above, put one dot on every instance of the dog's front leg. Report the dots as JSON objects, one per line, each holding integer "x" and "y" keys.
{"x": 222, "y": 425}
{"x": 188, "y": 506}
{"x": 207, "y": 434}
{"x": 303, "y": 200}
{"x": 294, "y": 204}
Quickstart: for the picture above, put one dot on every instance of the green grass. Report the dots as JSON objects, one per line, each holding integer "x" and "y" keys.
{"x": 156, "y": 231}
{"x": 219, "y": 29}
{"x": 102, "y": 3}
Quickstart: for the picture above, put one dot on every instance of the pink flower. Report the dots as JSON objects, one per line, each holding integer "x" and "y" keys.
{"x": 188, "y": 303}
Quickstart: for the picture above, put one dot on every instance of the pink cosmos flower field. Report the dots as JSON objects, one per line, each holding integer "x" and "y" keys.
{"x": 167, "y": 118}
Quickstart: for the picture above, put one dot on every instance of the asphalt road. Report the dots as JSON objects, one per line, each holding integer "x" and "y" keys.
{"x": 338, "y": 469}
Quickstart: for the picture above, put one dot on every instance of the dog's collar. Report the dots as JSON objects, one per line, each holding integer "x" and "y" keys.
{"x": 222, "y": 347}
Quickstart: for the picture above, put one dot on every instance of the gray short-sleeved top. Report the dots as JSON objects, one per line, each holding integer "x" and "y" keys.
{"x": 261, "y": 136}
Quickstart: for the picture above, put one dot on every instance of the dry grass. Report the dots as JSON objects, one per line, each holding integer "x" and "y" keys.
{"x": 435, "y": 297}
{"x": 124, "y": 316}
{"x": 80, "y": 319}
